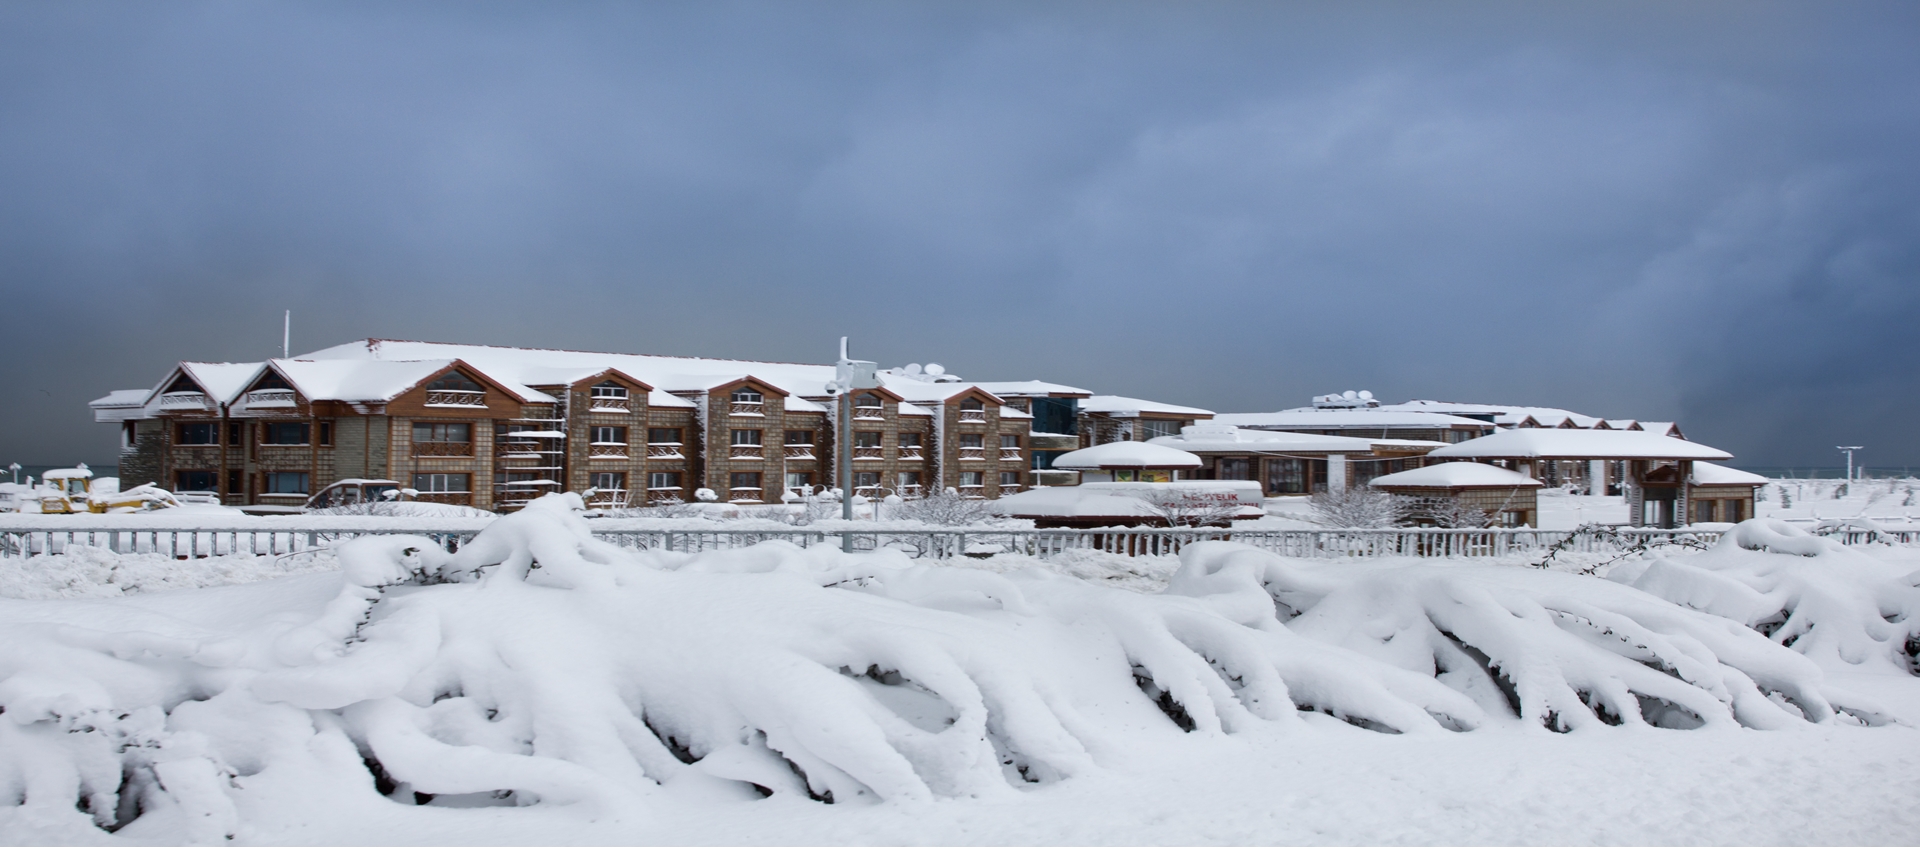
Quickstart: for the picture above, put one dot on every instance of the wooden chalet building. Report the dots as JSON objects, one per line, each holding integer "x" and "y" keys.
{"x": 494, "y": 427}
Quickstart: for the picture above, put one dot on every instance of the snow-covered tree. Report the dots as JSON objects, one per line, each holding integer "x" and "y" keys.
{"x": 946, "y": 508}
{"x": 1186, "y": 508}
{"x": 1357, "y": 507}
{"x": 1446, "y": 512}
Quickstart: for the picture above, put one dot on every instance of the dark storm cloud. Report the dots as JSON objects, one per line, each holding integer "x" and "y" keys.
{"x": 1703, "y": 212}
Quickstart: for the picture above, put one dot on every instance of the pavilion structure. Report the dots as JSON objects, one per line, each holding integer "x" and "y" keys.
{"x": 1659, "y": 472}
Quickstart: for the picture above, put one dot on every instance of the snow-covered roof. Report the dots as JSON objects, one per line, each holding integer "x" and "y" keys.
{"x": 1668, "y": 428}
{"x": 663, "y": 372}
{"x": 121, "y": 398}
{"x": 1013, "y": 413}
{"x": 1455, "y": 474}
{"x": 662, "y": 398}
{"x": 1354, "y": 417}
{"x": 1026, "y": 388}
{"x": 794, "y": 403}
{"x": 379, "y": 380}
{"x": 1580, "y": 444}
{"x": 911, "y": 409}
{"x": 221, "y": 381}
{"x": 1119, "y": 405}
{"x": 1128, "y": 454}
{"x": 1713, "y": 473}
{"x": 1226, "y": 438}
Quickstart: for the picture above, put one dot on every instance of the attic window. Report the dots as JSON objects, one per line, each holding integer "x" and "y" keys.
{"x": 746, "y": 396}
{"x": 972, "y": 404}
{"x": 272, "y": 381}
{"x": 455, "y": 382}
{"x": 609, "y": 389}
{"x": 184, "y": 384}
{"x": 866, "y": 400}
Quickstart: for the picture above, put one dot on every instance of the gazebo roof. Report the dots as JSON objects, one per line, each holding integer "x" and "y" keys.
{"x": 1574, "y": 444}
{"x": 1128, "y": 455}
{"x": 1456, "y": 474}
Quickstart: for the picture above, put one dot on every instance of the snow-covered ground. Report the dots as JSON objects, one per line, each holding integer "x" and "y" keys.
{"x": 540, "y": 687}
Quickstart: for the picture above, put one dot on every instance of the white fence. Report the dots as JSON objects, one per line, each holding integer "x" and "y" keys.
{"x": 20, "y": 541}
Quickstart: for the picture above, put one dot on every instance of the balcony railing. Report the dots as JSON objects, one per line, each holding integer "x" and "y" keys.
{"x": 869, "y": 413}
{"x": 270, "y": 398}
{"x": 869, "y": 453}
{"x": 606, "y": 404}
{"x": 456, "y": 398}
{"x": 745, "y": 494}
{"x": 746, "y": 453}
{"x": 608, "y": 450}
{"x": 431, "y": 449}
{"x": 800, "y": 453}
{"x": 908, "y": 491}
{"x": 971, "y": 491}
{"x": 665, "y": 451}
{"x": 1009, "y": 453}
{"x": 973, "y": 453}
{"x": 748, "y": 408}
{"x": 197, "y": 400}
{"x": 911, "y": 453}
{"x": 973, "y": 416}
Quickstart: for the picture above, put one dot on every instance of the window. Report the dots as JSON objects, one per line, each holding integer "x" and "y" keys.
{"x": 289, "y": 483}
{"x": 972, "y": 479}
{"x": 910, "y": 439}
{"x": 1736, "y": 510}
{"x": 866, "y": 479}
{"x": 184, "y": 384}
{"x": 972, "y": 404}
{"x": 669, "y": 436}
{"x": 442, "y": 432}
{"x": 799, "y": 481}
{"x": 746, "y": 436}
{"x": 866, "y": 400}
{"x": 609, "y": 435}
{"x": 193, "y": 480}
{"x": 746, "y": 396}
{"x": 604, "y": 481}
{"x": 197, "y": 434}
{"x": 1151, "y": 428}
{"x": 907, "y": 479}
{"x": 799, "y": 438}
{"x": 235, "y": 480}
{"x": 743, "y": 481}
{"x": 866, "y": 439}
{"x": 456, "y": 382}
{"x": 608, "y": 389}
{"x": 1286, "y": 475}
{"x": 663, "y": 480}
{"x": 442, "y": 482}
{"x": 285, "y": 434}
{"x": 326, "y": 433}
{"x": 1235, "y": 469}
{"x": 1009, "y": 441}
{"x": 1009, "y": 479}
{"x": 1703, "y": 511}
{"x": 236, "y": 433}
{"x": 971, "y": 441}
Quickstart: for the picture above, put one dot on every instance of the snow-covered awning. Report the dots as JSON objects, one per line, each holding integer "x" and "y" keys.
{"x": 1455, "y": 474}
{"x": 1713, "y": 473}
{"x": 1128, "y": 455}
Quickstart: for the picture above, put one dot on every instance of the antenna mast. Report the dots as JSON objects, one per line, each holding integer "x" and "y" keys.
{"x": 286, "y": 335}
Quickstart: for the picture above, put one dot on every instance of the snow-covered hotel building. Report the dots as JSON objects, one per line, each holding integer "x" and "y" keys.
{"x": 493, "y": 426}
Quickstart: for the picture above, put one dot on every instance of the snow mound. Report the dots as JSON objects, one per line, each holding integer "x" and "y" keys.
{"x": 1564, "y": 651}
{"x": 539, "y": 666}
{"x": 1839, "y": 607}
{"x": 91, "y": 571}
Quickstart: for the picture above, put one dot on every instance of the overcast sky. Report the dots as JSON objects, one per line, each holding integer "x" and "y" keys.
{"x": 1705, "y": 212}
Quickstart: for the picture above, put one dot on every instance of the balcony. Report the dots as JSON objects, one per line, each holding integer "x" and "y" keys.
{"x": 175, "y": 401}
{"x": 973, "y": 453}
{"x": 800, "y": 453}
{"x": 1053, "y": 442}
{"x": 425, "y": 449}
{"x": 609, "y": 404}
{"x": 456, "y": 398}
{"x": 971, "y": 491}
{"x": 911, "y": 453}
{"x": 270, "y": 398}
{"x": 746, "y": 453}
{"x": 748, "y": 408}
{"x": 869, "y": 413}
{"x": 608, "y": 451}
{"x": 869, "y": 453}
{"x": 740, "y": 495}
{"x": 665, "y": 451}
{"x": 973, "y": 416}
{"x": 1009, "y": 454}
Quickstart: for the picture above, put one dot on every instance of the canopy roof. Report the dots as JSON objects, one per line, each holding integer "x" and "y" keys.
{"x": 1713, "y": 473}
{"x": 1128, "y": 455}
{"x": 1456, "y": 474}
{"x": 1226, "y": 438}
{"x": 1579, "y": 444}
{"x": 1124, "y": 406}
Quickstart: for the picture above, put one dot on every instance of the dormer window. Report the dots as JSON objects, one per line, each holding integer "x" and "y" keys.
{"x": 866, "y": 400}
{"x": 747, "y": 396}
{"x": 972, "y": 404}
{"x": 184, "y": 384}
{"x": 609, "y": 389}
{"x": 454, "y": 382}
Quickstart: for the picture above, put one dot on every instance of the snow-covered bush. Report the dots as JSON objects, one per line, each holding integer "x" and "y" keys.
{"x": 1445, "y": 512}
{"x": 1837, "y": 606}
{"x": 1181, "y": 509}
{"x": 1357, "y": 507}
{"x": 946, "y": 508}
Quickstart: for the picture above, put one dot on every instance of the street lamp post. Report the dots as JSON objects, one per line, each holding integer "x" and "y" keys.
{"x": 849, "y": 375}
{"x": 1849, "y": 450}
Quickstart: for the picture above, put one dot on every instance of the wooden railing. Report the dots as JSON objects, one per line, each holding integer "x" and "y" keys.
{"x": 869, "y": 453}
{"x": 270, "y": 398}
{"x": 664, "y": 451}
{"x": 748, "y": 408}
{"x": 198, "y": 400}
{"x": 973, "y": 416}
{"x": 973, "y": 453}
{"x": 800, "y": 453}
{"x": 456, "y": 398}
{"x": 433, "y": 449}
{"x": 869, "y": 413}
{"x": 1009, "y": 453}
{"x": 609, "y": 404}
{"x": 613, "y": 450}
{"x": 745, "y": 453}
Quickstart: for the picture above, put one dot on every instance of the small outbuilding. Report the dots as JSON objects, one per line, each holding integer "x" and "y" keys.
{"x": 1658, "y": 470}
{"x": 1508, "y": 497}
{"x": 1722, "y": 493}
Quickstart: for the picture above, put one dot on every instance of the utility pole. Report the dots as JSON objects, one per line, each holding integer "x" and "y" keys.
{"x": 849, "y": 375}
{"x": 1849, "y": 450}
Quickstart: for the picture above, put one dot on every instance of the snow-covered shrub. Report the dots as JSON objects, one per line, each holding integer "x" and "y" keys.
{"x": 946, "y": 508}
{"x": 1357, "y": 507}
{"x": 1445, "y": 512}
{"x": 1560, "y": 650}
{"x": 1839, "y": 607}
{"x": 1181, "y": 509}
{"x": 669, "y": 508}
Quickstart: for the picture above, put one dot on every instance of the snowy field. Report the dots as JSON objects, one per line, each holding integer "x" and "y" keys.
{"x": 542, "y": 688}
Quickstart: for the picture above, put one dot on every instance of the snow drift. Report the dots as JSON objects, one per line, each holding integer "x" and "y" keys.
{"x": 539, "y": 666}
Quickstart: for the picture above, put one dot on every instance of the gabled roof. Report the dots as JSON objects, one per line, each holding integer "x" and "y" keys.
{"x": 1713, "y": 473}
{"x": 382, "y": 380}
{"x": 1006, "y": 389}
{"x": 220, "y": 381}
{"x": 1356, "y": 417}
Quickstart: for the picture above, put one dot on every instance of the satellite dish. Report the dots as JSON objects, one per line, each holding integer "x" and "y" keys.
{"x": 1349, "y": 395}
{"x": 1366, "y": 394}
{"x": 935, "y": 369}
{"x": 912, "y": 369}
